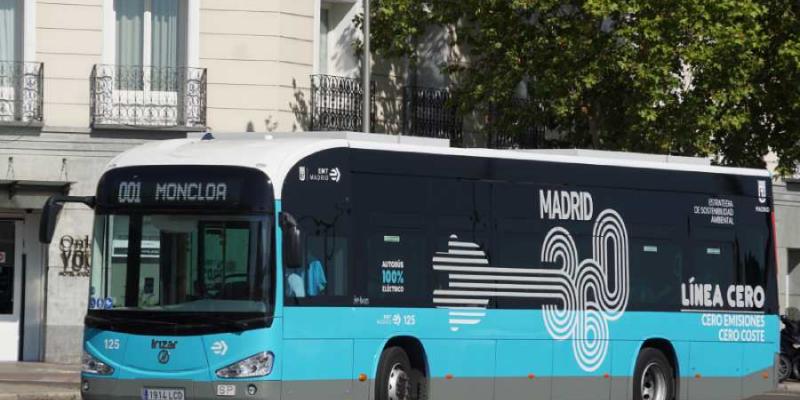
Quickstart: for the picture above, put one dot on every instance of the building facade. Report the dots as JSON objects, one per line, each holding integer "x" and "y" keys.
{"x": 83, "y": 80}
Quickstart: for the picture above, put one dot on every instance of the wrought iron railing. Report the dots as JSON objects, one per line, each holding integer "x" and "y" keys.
{"x": 337, "y": 103}
{"x": 21, "y": 92}
{"x": 148, "y": 97}
{"x": 429, "y": 112}
{"x": 512, "y": 125}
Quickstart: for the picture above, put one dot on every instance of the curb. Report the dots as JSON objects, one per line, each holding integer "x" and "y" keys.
{"x": 69, "y": 395}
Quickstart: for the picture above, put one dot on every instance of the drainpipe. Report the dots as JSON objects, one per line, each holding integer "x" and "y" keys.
{"x": 366, "y": 86}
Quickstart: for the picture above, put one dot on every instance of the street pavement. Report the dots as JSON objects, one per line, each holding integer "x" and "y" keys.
{"x": 786, "y": 391}
{"x": 39, "y": 381}
{"x": 44, "y": 381}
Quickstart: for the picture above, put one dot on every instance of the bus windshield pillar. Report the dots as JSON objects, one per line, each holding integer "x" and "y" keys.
{"x": 134, "y": 256}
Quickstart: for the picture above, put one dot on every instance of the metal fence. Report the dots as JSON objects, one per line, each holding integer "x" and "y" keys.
{"x": 337, "y": 103}
{"x": 159, "y": 97}
{"x": 21, "y": 91}
{"x": 512, "y": 126}
{"x": 429, "y": 112}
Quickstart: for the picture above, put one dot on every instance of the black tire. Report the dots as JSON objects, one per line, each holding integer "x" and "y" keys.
{"x": 785, "y": 368}
{"x": 795, "y": 368}
{"x": 419, "y": 386}
{"x": 653, "y": 377}
{"x": 395, "y": 378}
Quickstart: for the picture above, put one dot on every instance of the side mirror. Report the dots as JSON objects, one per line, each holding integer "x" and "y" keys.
{"x": 50, "y": 211}
{"x": 292, "y": 254}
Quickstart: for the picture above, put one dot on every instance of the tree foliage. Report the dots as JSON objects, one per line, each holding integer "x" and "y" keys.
{"x": 687, "y": 77}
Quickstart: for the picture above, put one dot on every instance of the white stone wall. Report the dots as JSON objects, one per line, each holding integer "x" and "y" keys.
{"x": 787, "y": 226}
{"x": 69, "y": 41}
{"x": 259, "y": 56}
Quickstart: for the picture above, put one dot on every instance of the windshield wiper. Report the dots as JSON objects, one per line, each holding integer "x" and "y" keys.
{"x": 238, "y": 324}
{"x": 111, "y": 321}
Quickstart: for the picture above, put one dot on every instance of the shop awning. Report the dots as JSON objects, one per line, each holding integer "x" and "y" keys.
{"x": 29, "y": 194}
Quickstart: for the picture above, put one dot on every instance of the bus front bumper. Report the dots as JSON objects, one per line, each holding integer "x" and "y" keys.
{"x": 123, "y": 389}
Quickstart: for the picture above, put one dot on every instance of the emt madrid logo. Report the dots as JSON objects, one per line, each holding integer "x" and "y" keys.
{"x": 580, "y": 297}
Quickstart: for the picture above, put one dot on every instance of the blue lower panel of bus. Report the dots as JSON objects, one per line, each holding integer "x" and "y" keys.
{"x": 517, "y": 342}
{"x": 500, "y": 351}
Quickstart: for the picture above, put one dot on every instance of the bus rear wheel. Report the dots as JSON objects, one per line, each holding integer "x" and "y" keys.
{"x": 653, "y": 377}
{"x": 395, "y": 379}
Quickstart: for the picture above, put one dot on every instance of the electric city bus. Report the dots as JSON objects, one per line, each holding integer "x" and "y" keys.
{"x": 350, "y": 266}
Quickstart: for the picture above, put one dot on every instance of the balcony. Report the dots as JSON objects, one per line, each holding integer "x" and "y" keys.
{"x": 136, "y": 97}
{"x": 427, "y": 112}
{"x": 337, "y": 103}
{"x": 21, "y": 93}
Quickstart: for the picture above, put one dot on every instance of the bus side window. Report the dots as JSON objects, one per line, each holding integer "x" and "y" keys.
{"x": 712, "y": 263}
{"x": 325, "y": 266}
{"x": 323, "y": 272}
{"x": 397, "y": 270}
{"x": 656, "y": 267}
{"x": 753, "y": 248}
{"x": 318, "y": 195}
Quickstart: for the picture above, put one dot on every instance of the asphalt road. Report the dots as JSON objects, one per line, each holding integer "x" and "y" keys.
{"x": 777, "y": 396}
{"x": 786, "y": 391}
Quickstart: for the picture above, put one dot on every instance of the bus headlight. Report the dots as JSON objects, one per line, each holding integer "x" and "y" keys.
{"x": 91, "y": 365}
{"x": 254, "y": 366}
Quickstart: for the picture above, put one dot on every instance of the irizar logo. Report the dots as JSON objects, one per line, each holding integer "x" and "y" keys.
{"x": 762, "y": 191}
{"x": 581, "y": 296}
{"x": 163, "y": 356}
{"x": 163, "y": 344}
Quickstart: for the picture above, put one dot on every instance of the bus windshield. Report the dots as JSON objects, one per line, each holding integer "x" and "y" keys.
{"x": 180, "y": 264}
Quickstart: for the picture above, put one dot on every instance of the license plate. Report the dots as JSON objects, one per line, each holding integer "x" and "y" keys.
{"x": 226, "y": 390}
{"x": 162, "y": 394}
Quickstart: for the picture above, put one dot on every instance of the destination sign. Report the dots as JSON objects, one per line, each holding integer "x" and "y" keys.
{"x": 185, "y": 187}
{"x": 138, "y": 192}
{"x": 131, "y": 192}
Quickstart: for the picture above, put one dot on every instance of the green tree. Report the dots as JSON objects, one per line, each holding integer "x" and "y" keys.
{"x": 687, "y": 77}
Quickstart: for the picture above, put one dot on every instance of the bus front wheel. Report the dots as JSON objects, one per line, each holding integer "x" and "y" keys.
{"x": 396, "y": 378}
{"x": 653, "y": 377}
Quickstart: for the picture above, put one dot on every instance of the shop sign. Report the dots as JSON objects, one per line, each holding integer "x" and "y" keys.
{"x": 74, "y": 256}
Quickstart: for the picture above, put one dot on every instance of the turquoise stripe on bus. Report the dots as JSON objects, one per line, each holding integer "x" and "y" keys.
{"x": 525, "y": 326}
{"x": 322, "y": 344}
{"x": 321, "y": 341}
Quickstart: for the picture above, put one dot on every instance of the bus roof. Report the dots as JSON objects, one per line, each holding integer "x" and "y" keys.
{"x": 276, "y": 153}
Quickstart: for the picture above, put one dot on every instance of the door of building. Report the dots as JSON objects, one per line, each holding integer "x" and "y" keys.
{"x": 10, "y": 283}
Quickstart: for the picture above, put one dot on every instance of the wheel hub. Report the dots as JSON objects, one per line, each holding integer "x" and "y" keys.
{"x": 399, "y": 384}
{"x": 654, "y": 383}
{"x": 783, "y": 368}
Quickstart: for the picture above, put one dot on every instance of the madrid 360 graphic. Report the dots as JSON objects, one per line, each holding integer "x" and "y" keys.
{"x": 581, "y": 297}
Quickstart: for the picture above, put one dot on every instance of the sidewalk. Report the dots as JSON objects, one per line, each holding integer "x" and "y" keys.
{"x": 790, "y": 387}
{"x": 39, "y": 381}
